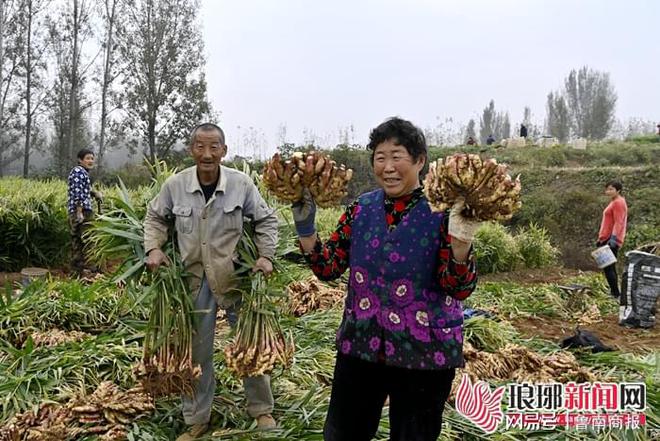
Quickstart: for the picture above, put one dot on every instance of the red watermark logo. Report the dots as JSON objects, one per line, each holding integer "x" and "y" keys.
{"x": 547, "y": 406}
{"x": 478, "y": 404}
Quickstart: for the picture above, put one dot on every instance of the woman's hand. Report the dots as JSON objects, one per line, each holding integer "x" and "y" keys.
{"x": 612, "y": 242}
{"x": 459, "y": 227}
{"x": 304, "y": 215}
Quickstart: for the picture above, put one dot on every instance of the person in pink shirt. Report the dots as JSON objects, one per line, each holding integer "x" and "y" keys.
{"x": 613, "y": 230}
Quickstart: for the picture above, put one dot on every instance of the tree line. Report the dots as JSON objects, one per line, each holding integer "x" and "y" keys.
{"x": 98, "y": 73}
{"x": 109, "y": 73}
{"x": 584, "y": 107}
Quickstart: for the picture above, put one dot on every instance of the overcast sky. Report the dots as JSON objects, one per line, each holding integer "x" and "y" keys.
{"x": 319, "y": 66}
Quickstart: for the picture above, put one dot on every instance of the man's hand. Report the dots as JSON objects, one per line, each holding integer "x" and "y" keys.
{"x": 459, "y": 227}
{"x": 156, "y": 258}
{"x": 264, "y": 265}
{"x": 80, "y": 218}
{"x": 98, "y": 195}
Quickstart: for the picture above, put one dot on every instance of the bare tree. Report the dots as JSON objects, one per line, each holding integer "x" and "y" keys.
{"x": 10, "y": 56}
{"x": 284, "y": 147}
{"x": 78, "y": 22}
{"x": 591, "y": 101}
{"x": 310, "y": 138}
{"x": 110, "y": 10}
{"x": 68, "y": 102}
{"x": 164, "y": 81}
{"x": 446, "y": 132}
{"x": 32, "y": 67}
{"x": 346, "y": 136}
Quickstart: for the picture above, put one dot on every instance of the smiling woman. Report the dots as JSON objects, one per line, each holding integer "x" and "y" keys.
{"x": 401, "y": 333}
{"x": 396, "y": 171}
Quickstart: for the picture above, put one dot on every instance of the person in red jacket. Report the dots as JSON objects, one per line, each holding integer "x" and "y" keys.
{"x": 613, "y": 230}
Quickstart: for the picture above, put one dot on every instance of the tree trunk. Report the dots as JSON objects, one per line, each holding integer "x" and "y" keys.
{"x": 2, "y": 103}
{"x": 110, "y": 13}
{"x": 73, "y": 97}
{"x": 152, "y": 138}
{"x": 28, "y": 93}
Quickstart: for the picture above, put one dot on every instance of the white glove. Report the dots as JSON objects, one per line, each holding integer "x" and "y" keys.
{"x": 460, "y": 227}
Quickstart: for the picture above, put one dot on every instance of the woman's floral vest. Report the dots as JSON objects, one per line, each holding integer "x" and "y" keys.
{"x": 395, "y": 309}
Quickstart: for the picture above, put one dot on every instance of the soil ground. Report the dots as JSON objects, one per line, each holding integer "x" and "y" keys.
{"x": 608, "y": 331}
{"x": 533, "y": 276}
{"x": 16, "y": 277}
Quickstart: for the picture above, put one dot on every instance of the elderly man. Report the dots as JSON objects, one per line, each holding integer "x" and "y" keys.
{"x": 207, "y": 204}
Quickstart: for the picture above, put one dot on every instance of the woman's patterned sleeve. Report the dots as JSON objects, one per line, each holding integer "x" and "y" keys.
{"x": 329, "y": 260}
{"x": 456, "y": 279}
{"x": 77, "y": 186}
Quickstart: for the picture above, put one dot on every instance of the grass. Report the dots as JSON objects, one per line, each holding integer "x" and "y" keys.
{"x": 29, "y": 375}
{"x": 114, "y": 318}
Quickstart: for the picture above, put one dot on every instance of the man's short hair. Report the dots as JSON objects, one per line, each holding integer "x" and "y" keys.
{"x": 84, "y": 152}
{"x": 207, "y": 127}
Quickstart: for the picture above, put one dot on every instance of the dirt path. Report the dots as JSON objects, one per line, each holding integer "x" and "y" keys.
{"x": 9, "y": 277}
{"x": 608, "y": 330}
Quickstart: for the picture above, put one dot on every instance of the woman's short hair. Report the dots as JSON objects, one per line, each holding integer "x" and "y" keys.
{"x": 403, "y": 133}
{"x": 615, "y": 184}
{"x": 84, "y": 152}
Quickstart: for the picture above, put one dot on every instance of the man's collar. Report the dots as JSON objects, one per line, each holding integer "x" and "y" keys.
{"x": 193, "y": 181}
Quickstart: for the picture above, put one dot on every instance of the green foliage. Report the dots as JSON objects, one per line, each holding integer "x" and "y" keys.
{"x": 553, "y": 156}
{"x": 33, "y": 223}
{"x": 534, "y": 246}
{"x": 612, "y": 154}
{"x": 132, "y": 175}
{"x": 569, "y": 204}
{"x": 511, "y": 300}
{"x": 495, "y": 249}
{"x": 29, "y": 375}
{"x": 66, "y": 305}
{"x": 645, "y": 139}
{"x": 363, "y": 177}
{"x": 486, "y": 334}
{"x": 637, "y": 236}
{"x": 326, "y": 221}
